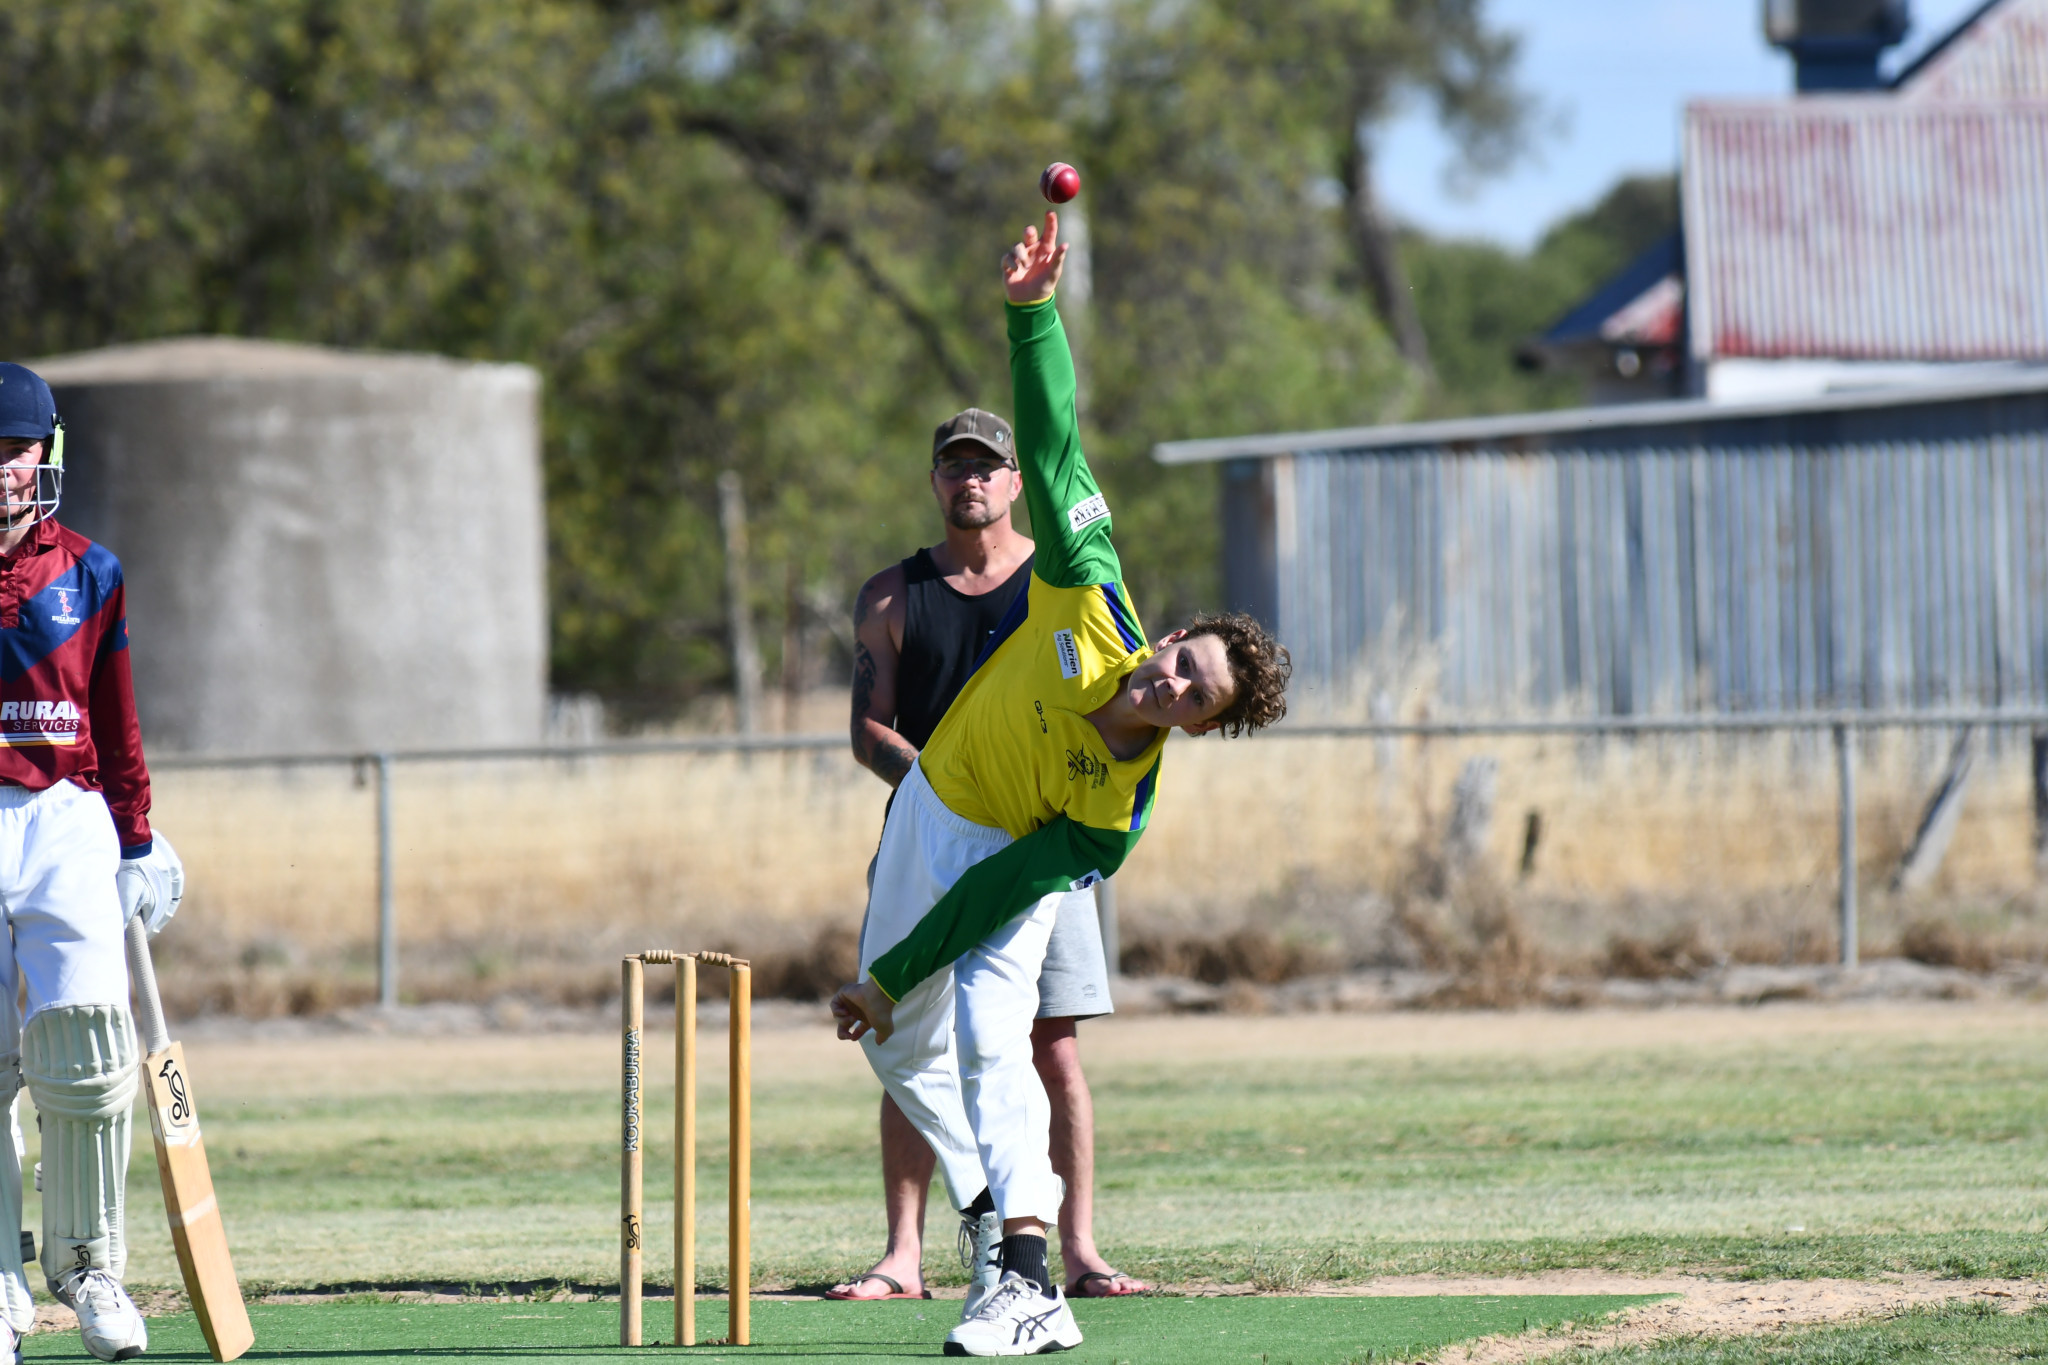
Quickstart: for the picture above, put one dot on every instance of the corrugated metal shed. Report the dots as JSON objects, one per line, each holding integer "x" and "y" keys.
{"x": 1868, "y": 550}
{"x": 1998, "y": 53}
{"x": 1865, "y": 227}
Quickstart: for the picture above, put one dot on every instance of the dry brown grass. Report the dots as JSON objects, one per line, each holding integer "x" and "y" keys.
{"x": 1250, "y": 954}
{"x": 1940, "y": 943}
{"x": 1267, "y": 858}
{"x": 1736, "y": 815}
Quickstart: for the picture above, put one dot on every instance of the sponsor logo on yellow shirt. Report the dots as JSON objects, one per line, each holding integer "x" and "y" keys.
{"x": 1069, "y": 652}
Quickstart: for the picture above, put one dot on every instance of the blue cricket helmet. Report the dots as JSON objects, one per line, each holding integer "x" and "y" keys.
{"x": 28, "y": 410}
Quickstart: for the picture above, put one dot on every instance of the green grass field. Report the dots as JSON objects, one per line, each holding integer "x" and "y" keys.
{"x": 1232, "y": 1331}
{"x": 1271, "y": 1153}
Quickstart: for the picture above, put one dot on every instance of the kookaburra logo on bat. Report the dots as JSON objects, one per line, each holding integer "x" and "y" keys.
{"x": 181, "y": 1103}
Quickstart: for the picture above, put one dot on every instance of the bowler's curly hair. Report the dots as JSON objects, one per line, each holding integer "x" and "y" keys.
{"x": 1258, "y": 665}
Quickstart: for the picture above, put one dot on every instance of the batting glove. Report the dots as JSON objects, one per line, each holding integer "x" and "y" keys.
{"x": 151, "y": 886}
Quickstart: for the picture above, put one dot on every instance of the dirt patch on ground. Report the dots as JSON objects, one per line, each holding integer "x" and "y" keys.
{"x": 154, "y": 1303}
{"x": 1708, "y": 1308}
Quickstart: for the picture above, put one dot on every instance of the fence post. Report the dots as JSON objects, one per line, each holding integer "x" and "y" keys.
{"x": 387, "y": 910}
{"x": 2040, "y": 771}
{"x": 1845, "y": 767}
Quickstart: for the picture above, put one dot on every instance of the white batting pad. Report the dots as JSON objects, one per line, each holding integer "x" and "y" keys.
{"x": 80, "y": 1065}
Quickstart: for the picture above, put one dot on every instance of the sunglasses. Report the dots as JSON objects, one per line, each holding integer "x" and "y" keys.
{"x": 979, "y": 467}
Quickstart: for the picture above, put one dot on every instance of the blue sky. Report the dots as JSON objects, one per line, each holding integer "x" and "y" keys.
{"x": 1615, "y": 75}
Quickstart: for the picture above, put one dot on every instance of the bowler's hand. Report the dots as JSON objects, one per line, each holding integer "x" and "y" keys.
{"x": 1031, "y": 268}
{"x": 862, "y": 1006}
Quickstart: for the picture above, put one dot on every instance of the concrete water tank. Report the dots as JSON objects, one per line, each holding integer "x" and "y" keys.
{"x": 325, "y": 550}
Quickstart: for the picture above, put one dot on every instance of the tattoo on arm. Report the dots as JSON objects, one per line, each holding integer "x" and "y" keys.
{"x": 888, "y": 759}
{"x": 892, "y": 762}
{"x": 863, "y": 683}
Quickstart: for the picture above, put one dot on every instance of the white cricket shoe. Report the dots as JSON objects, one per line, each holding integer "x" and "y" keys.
{"x": 981, "y": 1252}
{"x": 108, "y": 1319}
{"x": 10, "y": 1343}
{"x": 1017, "y": 1320}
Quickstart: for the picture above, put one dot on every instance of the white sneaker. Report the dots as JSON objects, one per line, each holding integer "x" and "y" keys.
{"x": 981, "y": 1253}
{"x": 107, "y": 1318}
{"x": 10, "y": 1344}
{"x": 1017, "y": 1320}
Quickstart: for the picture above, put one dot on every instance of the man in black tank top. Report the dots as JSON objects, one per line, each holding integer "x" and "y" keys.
{"x": 919, "y": 629}
{"x": 944, "y": 630}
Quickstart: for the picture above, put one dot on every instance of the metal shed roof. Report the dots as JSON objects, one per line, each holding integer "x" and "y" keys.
{"x": 1867, "y": 227}
{"x": 2024, "y": 379}
{"x": 1999, "y": 52}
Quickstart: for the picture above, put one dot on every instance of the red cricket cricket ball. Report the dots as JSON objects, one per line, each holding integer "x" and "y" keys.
{"x": 1059, "y": 183}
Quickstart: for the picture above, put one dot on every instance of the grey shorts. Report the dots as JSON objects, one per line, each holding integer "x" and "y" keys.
{"x": 1074, "y": 983}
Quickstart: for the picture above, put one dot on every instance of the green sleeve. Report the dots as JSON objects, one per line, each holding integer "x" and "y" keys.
{"x": 995, "y": 891}
{"x": 1069, "y": 520}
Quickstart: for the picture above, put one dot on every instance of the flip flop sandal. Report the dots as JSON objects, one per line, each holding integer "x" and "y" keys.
{"x": 895, "y": 1290}
{"x": 1115, "y": 1285}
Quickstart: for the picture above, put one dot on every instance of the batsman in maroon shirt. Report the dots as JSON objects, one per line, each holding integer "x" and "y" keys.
{"x": 77, "y": 861}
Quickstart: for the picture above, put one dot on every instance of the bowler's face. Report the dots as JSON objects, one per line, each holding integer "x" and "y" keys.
{"x": 1186, "y": 683}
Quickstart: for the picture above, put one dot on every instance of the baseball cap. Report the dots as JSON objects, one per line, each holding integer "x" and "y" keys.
{"x": 983, "y": 428}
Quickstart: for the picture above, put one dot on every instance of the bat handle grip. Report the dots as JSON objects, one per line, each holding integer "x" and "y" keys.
{"x": 149, "y": 1006}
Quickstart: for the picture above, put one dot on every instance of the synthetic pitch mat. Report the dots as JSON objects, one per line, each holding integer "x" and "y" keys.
{"x": 1183, "y": 1331}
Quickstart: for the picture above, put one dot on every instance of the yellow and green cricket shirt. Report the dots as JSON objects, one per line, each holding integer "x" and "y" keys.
{"x": 1016, "y": 750}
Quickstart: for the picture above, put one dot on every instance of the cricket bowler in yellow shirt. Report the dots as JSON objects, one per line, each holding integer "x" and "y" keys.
{"x": 1039, "y": 781}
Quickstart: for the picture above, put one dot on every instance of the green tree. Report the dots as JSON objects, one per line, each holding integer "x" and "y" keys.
{"x": 1348, "y": 64}
{"x": 796, "y": 261}
{"x": 745, "y": 236}
{"x": 375, "y": 173}
{"x": 1244, "y": 280}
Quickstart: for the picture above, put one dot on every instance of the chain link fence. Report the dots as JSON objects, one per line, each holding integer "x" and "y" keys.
{"x": 336, "y": 880}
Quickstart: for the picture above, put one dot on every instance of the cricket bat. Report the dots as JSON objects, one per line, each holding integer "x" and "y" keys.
{"x": 196, "y": 1229}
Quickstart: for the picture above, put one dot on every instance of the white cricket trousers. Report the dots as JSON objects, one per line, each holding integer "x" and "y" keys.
{"x": 58, "y": 856}
{"x": 959, "y": 1063}
{"x": 63, "y": 923}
